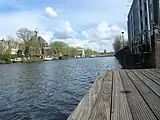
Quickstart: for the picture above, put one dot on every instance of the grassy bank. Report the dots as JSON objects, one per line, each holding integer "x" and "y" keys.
{"x": 34, "y": 59}
{"x": 5, "y": 62}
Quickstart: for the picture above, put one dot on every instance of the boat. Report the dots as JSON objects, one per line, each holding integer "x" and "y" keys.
{"x": 92, "y": 56}
{"x": 48, "y": 58}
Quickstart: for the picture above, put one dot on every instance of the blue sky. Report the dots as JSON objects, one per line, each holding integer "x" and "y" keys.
{"x": 87, "y": 23}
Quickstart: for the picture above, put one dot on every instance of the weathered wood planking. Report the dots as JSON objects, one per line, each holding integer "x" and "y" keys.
{"x": 144, "y": 88}
{"x": 120, "y": 108}
{"x": 101, "y": 109}
{"x": 122, "y": 95}
{"x": 139, "y": 109}
{"x": 153, "y": 75}
{"x": 149, "y": 80}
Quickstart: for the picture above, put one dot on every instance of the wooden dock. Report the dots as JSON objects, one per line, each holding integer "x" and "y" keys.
{"x": 122, "y": 95}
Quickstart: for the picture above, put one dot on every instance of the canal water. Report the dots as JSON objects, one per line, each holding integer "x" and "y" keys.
{"x": 47, "y": 90}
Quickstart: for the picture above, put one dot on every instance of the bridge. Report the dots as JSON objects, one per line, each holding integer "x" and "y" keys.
{"x": 83, "y": 52}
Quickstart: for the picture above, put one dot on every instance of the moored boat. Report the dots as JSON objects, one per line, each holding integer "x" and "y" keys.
{"x": 48, "y": 58}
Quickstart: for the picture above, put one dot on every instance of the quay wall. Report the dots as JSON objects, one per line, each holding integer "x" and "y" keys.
{"x": 133, "y": 61}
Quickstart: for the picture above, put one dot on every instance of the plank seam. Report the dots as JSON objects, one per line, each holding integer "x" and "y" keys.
{"x": 111, "y": 98}
{"x": 125, "y": 94}
{"x": 97, "y": 96}
{"x": 146, "y": 84}
{"x": 155, "y": 70}
{"x": 141, "y": 94}
{"x": 150, "y": 78}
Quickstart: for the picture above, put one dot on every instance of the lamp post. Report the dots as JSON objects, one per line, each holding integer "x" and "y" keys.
{"x": 123, "y": 38}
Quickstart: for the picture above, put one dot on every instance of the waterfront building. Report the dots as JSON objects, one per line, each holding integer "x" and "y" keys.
{"x": 142, "y": 17}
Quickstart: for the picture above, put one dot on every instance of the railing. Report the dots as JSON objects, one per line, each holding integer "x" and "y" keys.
{"x": 138, "y": 42}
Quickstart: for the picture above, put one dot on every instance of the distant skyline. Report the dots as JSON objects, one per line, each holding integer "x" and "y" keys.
{"x": 85, "y": 23}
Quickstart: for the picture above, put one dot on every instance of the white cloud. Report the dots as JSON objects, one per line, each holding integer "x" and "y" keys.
{"x": 91, "y": 12}
{"x": 103, "y": 31}
{"x": 47, "y": 35}
{"x": 64, "y": 31}
{"x": 97, "y": 38}
{"x": 11, "y": 22}
{"x": 50, "y": 12}
{"x": 102, "y": 36}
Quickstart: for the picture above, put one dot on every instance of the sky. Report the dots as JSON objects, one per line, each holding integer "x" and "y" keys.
{"x": 86, "y": 23}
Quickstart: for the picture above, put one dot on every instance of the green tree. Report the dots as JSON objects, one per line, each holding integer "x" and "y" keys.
{"x": 88, "y": 52}
{"x": 72, "y": 51}
{"x": 59, "y": 48}
{"x": 25, "y": 35}
{"x": 35, "y": 46}
{"x": 2, "y": 47}
{"x": 7, "y": 55}
{"x": 117, "y": 43}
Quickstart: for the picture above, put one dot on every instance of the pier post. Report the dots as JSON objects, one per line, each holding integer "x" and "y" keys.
{"x": 157, "y": 47}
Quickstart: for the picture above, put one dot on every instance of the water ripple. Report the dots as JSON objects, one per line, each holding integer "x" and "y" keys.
{"x": 47, "y": 90}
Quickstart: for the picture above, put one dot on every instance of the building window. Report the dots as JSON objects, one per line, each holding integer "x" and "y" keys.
{"x": 150, "y": 2}
{"x": 145, "y": 20}
{"x": 151, "y": 15}
{"x": 141, "y": 13}
{"x": 151, "y": 24}
{"x": 159, "y": 14}
{"x": 140, "y": 2}
{"x": 141, "y": 25}
{"x": 151, "y": 12}
{"x": 145, "y": 7}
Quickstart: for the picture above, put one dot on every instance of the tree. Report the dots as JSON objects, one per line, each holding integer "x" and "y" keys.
{"x": 7, "y": 54}
{"x": 2, "y": 47}
{"x": 25, "y": 35}
{"x": 117, "y": 43}
{"x": 72, "y": 51}
{"x": 59, "y": 48}
{"x": 35, "y": 46}
{"x": 88, "y": 52}
{"x": 19, "y": 53}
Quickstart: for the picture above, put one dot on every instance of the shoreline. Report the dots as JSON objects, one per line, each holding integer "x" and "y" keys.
{"x": 22, "y": 61}
{"x": 40, "y": 60}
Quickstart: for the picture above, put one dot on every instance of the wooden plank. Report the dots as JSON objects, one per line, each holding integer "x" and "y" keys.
{"x": 149, "y": 80}
{"x": 138, "y": 107}
{"x": 154, "y": 74}
{"x": 157, "y": 71}
{"x": 102, "y": 107}
{"x": 84, "y": 109}
{"x": 148, "y": 95}
{"x": 120, "y": 108}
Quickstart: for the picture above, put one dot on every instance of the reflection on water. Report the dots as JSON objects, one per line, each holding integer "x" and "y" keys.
{"x": 47, "y": 90}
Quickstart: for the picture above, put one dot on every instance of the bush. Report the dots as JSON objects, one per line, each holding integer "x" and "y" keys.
{"x": 4, "y": 62}
{"x": 6, "y": 58}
